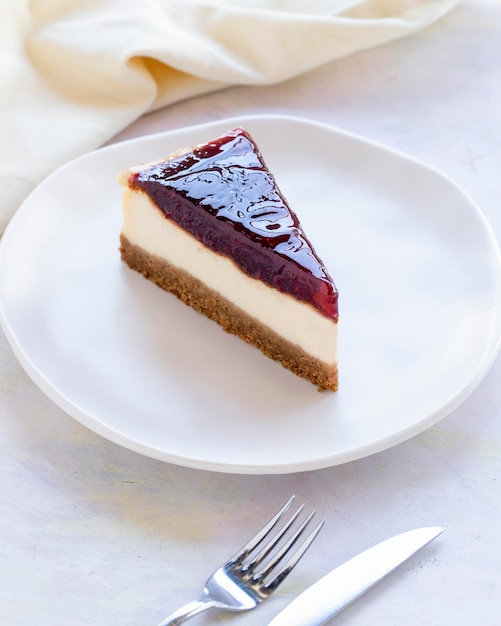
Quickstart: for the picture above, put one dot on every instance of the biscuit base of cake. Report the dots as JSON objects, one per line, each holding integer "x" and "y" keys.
{"x": 231, "y": 318}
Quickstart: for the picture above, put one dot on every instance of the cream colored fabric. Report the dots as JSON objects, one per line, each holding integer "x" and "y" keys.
{"x": 75, "y": 72}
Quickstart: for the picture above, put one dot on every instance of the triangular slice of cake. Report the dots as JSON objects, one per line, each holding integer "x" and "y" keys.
{"x": 210, "y": 225}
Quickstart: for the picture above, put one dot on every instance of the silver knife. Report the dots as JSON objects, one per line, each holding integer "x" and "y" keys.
{"x": 335, "y": 591}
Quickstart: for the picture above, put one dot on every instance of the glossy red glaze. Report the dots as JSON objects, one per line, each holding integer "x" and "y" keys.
{"x": 225, "y": 196}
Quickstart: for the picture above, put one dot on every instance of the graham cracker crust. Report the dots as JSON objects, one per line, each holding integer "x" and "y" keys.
{"x": 232, "y": 319}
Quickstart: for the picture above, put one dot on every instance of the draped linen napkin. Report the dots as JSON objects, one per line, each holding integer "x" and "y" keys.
{"x": 76, "y": 72}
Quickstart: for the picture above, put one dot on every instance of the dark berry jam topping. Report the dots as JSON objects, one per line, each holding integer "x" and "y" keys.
{"x": 228, "y": 179}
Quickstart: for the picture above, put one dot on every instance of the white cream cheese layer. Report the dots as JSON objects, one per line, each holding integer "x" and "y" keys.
{"x": 299, "y": 323}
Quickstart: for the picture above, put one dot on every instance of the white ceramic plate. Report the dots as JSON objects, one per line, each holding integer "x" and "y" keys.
{"x": 415, "y": 262}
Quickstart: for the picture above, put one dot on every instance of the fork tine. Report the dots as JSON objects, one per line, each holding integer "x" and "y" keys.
{"x": 294, "y": 559}
{"x": 279, "y": 556}
{"x": 253, "y": 543}
{"x": 256, "y": 560}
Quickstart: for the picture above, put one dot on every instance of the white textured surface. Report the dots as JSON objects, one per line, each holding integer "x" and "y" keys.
{"x": 91, "y": 534}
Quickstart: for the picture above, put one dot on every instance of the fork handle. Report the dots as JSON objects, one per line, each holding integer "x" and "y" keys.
{"x": 187, "y": 611}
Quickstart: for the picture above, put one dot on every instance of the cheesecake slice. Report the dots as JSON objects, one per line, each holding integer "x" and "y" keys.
{"x": 210, "y": 225}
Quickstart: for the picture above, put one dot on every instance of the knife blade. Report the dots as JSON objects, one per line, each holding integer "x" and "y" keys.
{"x": 335, "y": 591}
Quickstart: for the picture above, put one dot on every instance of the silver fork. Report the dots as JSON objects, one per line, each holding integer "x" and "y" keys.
{"x": 256, "y": 570}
